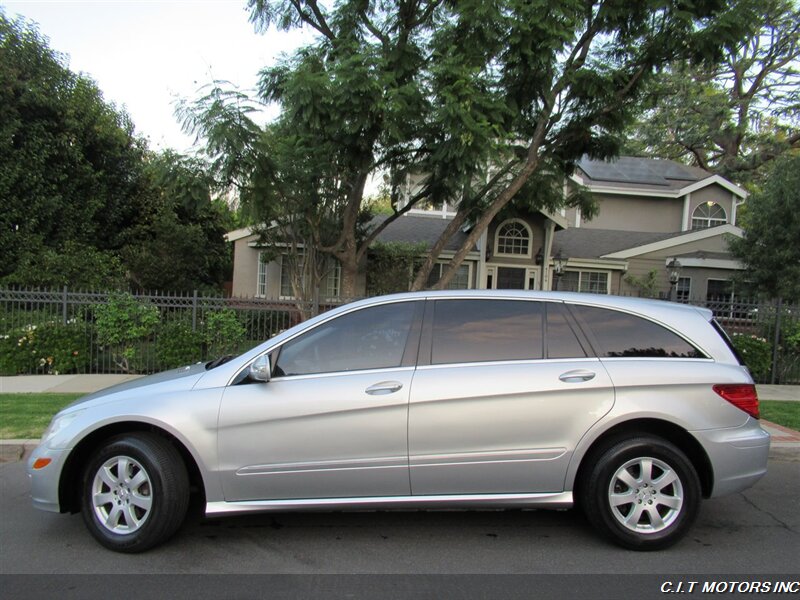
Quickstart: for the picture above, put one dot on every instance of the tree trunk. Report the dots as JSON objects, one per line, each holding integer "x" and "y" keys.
{"x": 424, "y": 271}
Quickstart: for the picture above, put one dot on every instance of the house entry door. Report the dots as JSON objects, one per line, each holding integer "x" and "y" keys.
{"x": 510, "y": 278}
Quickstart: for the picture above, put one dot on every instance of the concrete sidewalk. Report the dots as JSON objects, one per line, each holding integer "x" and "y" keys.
{"x": 65, "y": 384}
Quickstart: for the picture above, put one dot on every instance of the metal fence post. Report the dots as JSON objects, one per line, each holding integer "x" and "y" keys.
{"x": 194, "y": 311}
{"x": 64, "y": 305}
{"x": 775, "y": 341}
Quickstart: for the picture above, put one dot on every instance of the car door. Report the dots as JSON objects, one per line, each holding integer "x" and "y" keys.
{"x": 332, "y": 420}
{"x": 494, "y": 408}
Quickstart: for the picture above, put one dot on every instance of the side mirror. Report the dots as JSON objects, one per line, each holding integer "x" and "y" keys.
{"x": 260, "y": 369}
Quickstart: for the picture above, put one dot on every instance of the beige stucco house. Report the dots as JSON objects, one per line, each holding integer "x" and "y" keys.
{"x": 651, "y": 214}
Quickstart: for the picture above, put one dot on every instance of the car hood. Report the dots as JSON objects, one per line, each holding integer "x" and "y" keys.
{"x": 183, "y": 378}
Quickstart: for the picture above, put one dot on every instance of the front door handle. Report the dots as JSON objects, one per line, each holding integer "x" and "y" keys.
{"x": 576, "y": 376}
{"x": 384, "y": 387}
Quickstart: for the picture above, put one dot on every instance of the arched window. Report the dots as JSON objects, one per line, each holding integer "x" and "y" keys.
{"x": 708, "y": 214}
{"x": 513, "y": 239}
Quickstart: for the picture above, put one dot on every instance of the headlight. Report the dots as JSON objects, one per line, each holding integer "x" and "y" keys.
{"x": 58, "y": 423}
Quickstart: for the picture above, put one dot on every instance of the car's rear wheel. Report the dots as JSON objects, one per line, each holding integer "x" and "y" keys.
{"x": 135, "y": 492}
{"x": 642, "y": 493}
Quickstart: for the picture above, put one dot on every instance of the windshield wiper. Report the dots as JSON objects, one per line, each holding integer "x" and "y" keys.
{"x": 218, "y": 361}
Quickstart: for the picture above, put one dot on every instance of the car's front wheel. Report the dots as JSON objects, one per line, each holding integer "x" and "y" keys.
{"x": 135, "y": 492}
{"x": 643, "y": 493}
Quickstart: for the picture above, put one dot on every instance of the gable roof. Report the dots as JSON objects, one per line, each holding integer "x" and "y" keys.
{"x": 581, "y": 242}
{"x": 682, "y": 237}
{"x": 649, "y": 176}
{"x": 415, "y": 229}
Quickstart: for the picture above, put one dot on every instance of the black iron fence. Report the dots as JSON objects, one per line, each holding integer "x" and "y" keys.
{"x": 767, "y": 335}
{"x": 64, "y": 331}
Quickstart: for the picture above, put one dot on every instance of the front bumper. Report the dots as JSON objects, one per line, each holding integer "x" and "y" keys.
{"x": 738, "y": 456}
{"x": 45, "y": 481}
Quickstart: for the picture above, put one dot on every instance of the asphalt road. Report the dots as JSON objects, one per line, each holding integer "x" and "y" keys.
{"x": 757, "y": 531}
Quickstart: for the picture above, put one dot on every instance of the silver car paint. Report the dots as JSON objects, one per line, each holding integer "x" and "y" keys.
{"x": 188, "y": 403}
{"x": 457, "y": 411}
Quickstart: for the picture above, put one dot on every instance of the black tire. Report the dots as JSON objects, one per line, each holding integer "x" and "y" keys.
{"x": 142, "y": 507}
{"x": 663, "y": 504}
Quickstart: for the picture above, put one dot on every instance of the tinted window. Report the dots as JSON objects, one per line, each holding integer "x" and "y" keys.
{"x": 620, "y": 334}
{"x": 486, "y": 330}
{"x": 371, "y": 338}
{"x": 561, "y": 340}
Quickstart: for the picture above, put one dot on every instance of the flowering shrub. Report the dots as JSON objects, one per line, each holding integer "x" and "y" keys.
{"x": 223, "y": 333}
{"x": 756, "y": 352}
{"x": 218, "y": 334}
{"x": 121, "y": 324}
{"x": 177, "y": 344}
{"x": 51, "y": 348}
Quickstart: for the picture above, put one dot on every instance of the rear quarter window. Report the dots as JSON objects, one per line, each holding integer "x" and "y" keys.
{"x": 617, "y": 334}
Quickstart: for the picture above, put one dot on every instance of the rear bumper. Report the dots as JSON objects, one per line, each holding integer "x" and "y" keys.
{"x": 738, "y": 456}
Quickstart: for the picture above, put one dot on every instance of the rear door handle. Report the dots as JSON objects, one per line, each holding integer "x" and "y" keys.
{"x": 576, "y": 376}
{"x": 384, "y": 387}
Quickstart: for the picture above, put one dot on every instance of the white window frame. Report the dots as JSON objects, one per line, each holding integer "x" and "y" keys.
{"x": 336, "y": 272}
{"x": 261, "y": 277}
{"x": 527, "y": 229}
{"x": 441, "y": 264}
{"x": 688, "y": 289}
{"x": 707, "y": 222}
{"x": 582, "y": 272}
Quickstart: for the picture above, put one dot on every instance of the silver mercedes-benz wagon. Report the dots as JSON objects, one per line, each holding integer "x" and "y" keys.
{"x": 632, "y": 410}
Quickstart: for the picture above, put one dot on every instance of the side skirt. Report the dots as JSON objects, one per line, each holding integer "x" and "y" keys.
{"x": 560, "y": 500}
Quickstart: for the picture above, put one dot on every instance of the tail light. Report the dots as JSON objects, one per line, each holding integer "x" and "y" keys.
{"x": 741, "y": 395}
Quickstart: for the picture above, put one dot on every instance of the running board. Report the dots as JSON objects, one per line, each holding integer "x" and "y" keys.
{"x": 455, "y": 501}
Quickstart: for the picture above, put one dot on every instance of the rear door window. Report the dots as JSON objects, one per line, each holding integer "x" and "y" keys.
{"x": 616, "y": 334}
{"x": 486, "y": 330}
{"x": 562, "y": 341}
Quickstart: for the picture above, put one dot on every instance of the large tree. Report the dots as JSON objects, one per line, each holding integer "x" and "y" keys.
{"x": 770, "y": 248}
{"x": 84, "y": 202}
{"x": 179, "y": 243}
{"x": 569, "y": 76}
{"x": 493, "y": 101}
{"x": 735, "y": 115}
{"x": 70, "y": 164}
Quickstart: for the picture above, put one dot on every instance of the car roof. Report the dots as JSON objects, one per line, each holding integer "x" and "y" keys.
{"x": 646, "y": 306}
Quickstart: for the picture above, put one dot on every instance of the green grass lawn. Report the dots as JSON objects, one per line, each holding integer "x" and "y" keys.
{"x": 25, "y": 416}
{"x": 782, "y": 413}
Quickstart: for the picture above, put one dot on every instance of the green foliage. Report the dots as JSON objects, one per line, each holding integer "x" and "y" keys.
{"x": 647, "y": 284}
{"x": 392, "y": 266}
{"x": 85, "y": 204}
{"x": 70, "y": 165}
{"x": 75, "y": 265}
{"x": 481, "y": 97}
{"x": 756, "y": 352}
{"x": 223, "y": 333}
{"x": 51, "y": 347}
{"x": 219, "y": 333}
{"x": 123, "y": 322}
{"x": 733, "y": 115}
{"x": 770, "y": 250}
{"x": 177, "y": 344}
